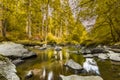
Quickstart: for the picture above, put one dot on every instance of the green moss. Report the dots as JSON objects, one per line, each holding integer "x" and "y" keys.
{"x": 2, "y": 58}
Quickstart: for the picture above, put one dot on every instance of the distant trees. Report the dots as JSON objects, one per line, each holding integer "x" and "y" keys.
{"x": 53, "y": 20}
{"x": 108, "y": 18}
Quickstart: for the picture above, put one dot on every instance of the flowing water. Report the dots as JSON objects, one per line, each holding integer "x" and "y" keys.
{"x": 52, "y": 68}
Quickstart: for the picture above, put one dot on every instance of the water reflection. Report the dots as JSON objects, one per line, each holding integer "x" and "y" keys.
{"x": 50, "y": 75}
{"x": 52, "y": 68}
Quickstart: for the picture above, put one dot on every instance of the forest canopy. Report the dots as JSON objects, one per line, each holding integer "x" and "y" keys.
{"x": 61, "y": 21}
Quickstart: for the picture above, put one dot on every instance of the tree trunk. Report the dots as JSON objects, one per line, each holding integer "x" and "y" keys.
{"x": 28, "y": 27}
{"x": 47, "y": 22}
{"x": 3, "y": 28}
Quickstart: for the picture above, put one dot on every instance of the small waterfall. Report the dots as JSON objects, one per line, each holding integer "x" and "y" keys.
{"x": 50, "y": 75}
{"x": 90, "y": 66}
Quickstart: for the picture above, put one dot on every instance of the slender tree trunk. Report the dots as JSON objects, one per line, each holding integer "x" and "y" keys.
{"x": 4, "y": 25}
{"x": 28, "y": 26}
{"x": 61, "y": 29}
{"x": 47, "y": 22}
{"x": 43, "y": 25}
{"x": 3, "y": 22}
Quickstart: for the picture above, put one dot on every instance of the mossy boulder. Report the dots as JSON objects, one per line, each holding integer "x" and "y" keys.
{"x": 7, "y": 69}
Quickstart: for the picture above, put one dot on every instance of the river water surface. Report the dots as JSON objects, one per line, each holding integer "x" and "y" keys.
{"x": 46, "y": 60}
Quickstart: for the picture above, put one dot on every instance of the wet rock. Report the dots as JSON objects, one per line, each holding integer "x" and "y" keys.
{"x": 29, "y": 74}
{"x": 76, "y": 77}
{"x": 115, "y": 50}
{"x": 7, "y": 69}
{"x": 73, "y": 65}
{"x": 36, "y": 47}
{"x": 103, "y": 56}
{"x": 85, "y": 50}
{"x": 74, "y": 52}
{"x": 29, "y": 55}
{"x": 58, "y": 48}
{"x": 88, "y": 56}
{"x": 114, "y": 56}
{"x": 13, "y": 50}
{"x": 44, "y": 47}
{"x": 36, "y": 72}
{"x": 17, "y": 61}
{"x": 98, "y": 50}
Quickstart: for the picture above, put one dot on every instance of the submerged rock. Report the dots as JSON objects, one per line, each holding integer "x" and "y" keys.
{"x": 73, "y": 65}
{"x": 36, "y": 72}
{"x": 58, "y": 48}
{"x": 76, "y": 77}
{"x": 17, "y": 61}
{"x": 7, "y": 69}
{"x": 13, "y": 50}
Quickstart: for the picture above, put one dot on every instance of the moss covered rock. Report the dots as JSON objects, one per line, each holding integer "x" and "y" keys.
{"x": 7, "y": 69}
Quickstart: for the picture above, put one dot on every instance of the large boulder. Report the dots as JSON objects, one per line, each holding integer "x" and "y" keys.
{"x": 13, "y": 50}
{"x": 7, "y": 69}
{"x": 73, "y": 65}
{"x": 114, "y": 56}
{"x": 76, "y": 77}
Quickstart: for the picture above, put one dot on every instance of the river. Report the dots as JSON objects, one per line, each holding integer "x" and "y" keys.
{"x": 53, "y": 67}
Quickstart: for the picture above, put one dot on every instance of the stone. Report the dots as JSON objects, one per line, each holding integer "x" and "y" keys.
{"x": 85, "y": 50}
{"x": 36, "y": 72}
{"x": 7, "y": 69}
{"x": 17, "y": 61}
{"x": 58, "y": 48}
{"x": 73, "y": 65}
{"x": 76, "y": 77}
{"x": 98, "y": 50}
{"x": 115, "y": 50}
{"x": 13, "y": 50}
{"x": 29, "y": 55}
{"x": 44, "y": 47}
{"x": 103, "y": 56}
{"x": 88, "y": 56}
{"x": 74, "y": 52}
{"x": 114, "y": 56}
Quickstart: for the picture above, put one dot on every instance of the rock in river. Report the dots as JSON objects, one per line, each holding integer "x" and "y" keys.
{"x": 72, "y": 64}
{"x": 76, "y": 77}
{"x": 13, "y": 50}
{"x": 103, "y": 56}
{"x": 7, "y": 69}
{"x": 114, "y": 56}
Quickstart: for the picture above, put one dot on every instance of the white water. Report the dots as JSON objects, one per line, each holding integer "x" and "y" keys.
{"x": 90, "y": 66}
